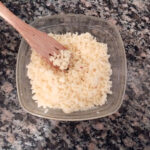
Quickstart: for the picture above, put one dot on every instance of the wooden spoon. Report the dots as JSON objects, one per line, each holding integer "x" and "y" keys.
{"x": 38, "y": 40}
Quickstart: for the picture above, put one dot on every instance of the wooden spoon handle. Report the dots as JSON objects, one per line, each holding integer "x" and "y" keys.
{"x": 9, "y": 17}
{"x": 39, "y": 41}
{"x": 27, "y": 31}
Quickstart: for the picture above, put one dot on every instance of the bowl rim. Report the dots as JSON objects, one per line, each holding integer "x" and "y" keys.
{"x": 117, "y": 106}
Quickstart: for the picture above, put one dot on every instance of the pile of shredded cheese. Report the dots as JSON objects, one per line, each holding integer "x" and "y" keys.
{"x": 83, "y": 86}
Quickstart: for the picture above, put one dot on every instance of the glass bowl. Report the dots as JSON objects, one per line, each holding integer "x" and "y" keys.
{"x": 104, "y": 32}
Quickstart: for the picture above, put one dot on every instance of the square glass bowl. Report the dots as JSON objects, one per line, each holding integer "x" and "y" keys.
{"x": 104, "y": 32}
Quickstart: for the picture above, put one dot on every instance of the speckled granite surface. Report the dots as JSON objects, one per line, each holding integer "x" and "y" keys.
{"x": 128, "y": 129}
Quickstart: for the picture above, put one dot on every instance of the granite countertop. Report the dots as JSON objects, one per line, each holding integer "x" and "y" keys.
{"x": 128, "y": 129}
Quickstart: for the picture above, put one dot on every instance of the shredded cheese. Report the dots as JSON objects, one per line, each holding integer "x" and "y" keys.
{"x": 83, "y": 86}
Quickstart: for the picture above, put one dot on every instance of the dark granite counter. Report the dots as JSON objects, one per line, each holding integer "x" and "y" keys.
{"x": 128, "y": 129}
